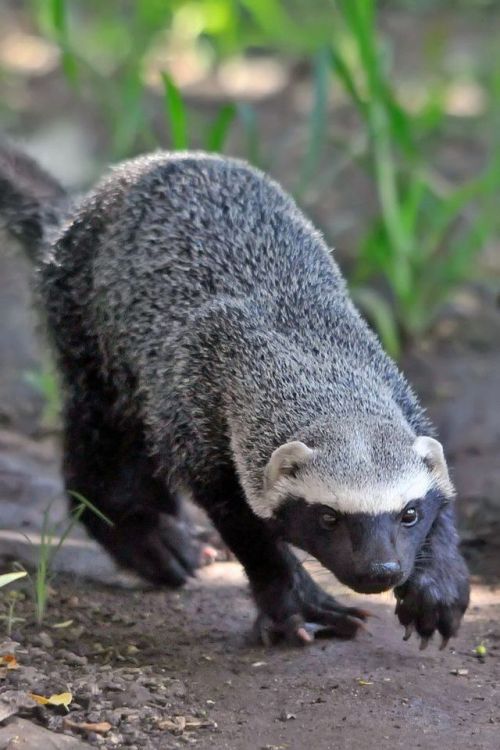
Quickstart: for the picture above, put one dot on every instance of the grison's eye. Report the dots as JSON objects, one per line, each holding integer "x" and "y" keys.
{"x": 409, "y": 516}
{"x": 328, "y": 518}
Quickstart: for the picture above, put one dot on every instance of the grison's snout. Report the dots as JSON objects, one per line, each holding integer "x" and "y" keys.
{"x": 385, "y": 573}
{"x": 378, "y": 576}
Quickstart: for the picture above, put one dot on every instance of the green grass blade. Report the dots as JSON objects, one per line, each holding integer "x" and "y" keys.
{"x": 412, "y": 202}
{"x": 57, "y": 14}
{"x": 70, "y": 66}
{"x": 379, "y": 312}
{"x": 175, "y": 113}
{"x": 246, "y": 114}
{"x": 401, "y": 123}
{"x": 219, "y": 129}
{"x": 359, "y": 16}
{"x": 449, "y": 209}
{"x": 270, "y": 16}
{"x": 346, "y": 77}
{"x": 130, "y": 120}
{"x": 58, "y": 21}
{"x": 87, "y": 504}
{"x": 318, "y": 120}
{"x": 390, "y": 201}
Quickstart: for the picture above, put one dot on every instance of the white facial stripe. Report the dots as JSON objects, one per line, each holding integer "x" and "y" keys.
{"x": 376, "y": 499}
{"x": 389, "y": 498}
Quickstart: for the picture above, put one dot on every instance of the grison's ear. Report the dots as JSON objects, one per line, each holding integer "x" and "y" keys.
{"x": 285, "y": 460}
{"x": 432, "y": 453}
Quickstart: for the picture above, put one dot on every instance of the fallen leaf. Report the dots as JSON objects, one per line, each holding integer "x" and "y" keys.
{"x": 64, "y": 624}
{"x": 9, "y": 660}
{"x": 178, "y": 724}
{"x": 364, "y": 682}
{"x": 7, "y": 578}
{"x": 58, "y": 699}
{"x": 259, "y": 664}
{"x": 101, "y": 727}
{"x": 193, "y": 723}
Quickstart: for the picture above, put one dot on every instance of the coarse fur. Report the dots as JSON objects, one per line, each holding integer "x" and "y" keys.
{"x": 208, "y": 344}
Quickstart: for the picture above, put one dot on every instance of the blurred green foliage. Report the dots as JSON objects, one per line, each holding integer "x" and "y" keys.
{"x": 421, "y": 242}
{"x": 44, "y": 382}
{"x": 427, "y": 232}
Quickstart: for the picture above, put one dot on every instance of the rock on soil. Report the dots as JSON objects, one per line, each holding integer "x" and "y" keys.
{"x": 20, "y": 734}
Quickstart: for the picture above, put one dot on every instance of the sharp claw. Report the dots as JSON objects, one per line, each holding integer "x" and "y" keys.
{"x": 208, "y": 555}
{"x": 444, "y": 643}
{"x": 424, "y": 642}
{"x": 266, "y": 638}
{"x": 409, "y": 629}
{"x": 362, "y": 626}
{"x": 304, "y": 636}
{"x": 262, "y": 631}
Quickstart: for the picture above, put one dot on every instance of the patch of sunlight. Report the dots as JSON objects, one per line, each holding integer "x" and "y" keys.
{"x": 26, "y": 53}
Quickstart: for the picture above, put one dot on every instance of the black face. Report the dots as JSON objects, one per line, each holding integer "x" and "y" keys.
{"x": 365, "y": 552}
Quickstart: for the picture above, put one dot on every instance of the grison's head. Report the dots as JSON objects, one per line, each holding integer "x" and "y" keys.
{"x": 363, "y": 506}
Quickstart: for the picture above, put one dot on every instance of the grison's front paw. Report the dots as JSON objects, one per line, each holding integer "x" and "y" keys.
{"x": 434, "y": 599}
{"x": 295, "y": 614}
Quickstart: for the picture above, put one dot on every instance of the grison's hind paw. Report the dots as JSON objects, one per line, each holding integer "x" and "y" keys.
{"x": 298, "y": 614}
{"x": 160, "y": 548}
{"x": 295, "y": 631}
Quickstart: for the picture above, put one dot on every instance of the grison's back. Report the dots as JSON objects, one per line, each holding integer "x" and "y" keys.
{"x": 165, "y": 233}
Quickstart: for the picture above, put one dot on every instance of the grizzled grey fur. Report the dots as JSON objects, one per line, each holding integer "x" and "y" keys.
{"x": 200, "y": 324}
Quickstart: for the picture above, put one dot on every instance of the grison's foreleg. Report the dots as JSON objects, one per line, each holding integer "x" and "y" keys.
{"x": 287, "y": 598}
{"x": 436, "y": 595}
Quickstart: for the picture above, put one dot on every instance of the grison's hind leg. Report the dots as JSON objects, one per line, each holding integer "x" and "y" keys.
{"x": 106, "y": 461}
{"x": 291, "y": 606}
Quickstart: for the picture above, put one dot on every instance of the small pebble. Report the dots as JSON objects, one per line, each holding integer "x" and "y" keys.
{"x": 45, "y": 640}
{"x": 72, "y": 658}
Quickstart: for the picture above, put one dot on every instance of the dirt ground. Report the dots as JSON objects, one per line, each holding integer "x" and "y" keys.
{"x": 138, "y": 660}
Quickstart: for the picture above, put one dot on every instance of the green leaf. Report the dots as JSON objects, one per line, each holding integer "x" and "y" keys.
{"x": 269, "y": 14}
{"x": 379, "y": 312}
{"x": 412, "y": 202}
{"x": 57, "y": 10}
{"x": 58, "y": 22}
{"x": 7, "y": 578}
{"x": 318, "y": 119}
{"x": 70, "y": 66}
{"x": 246, "y": 114}
{"x": 341, "y": 67}
{"x": 449, "y": 209}
{"x": 128, "y": 97}
{"x": 175, "y": 113}
{"x": 87, "y": 504}
{"x": 219, "y": 129}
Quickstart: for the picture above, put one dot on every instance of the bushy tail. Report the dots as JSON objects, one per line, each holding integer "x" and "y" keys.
{"x": 32, "y": 203}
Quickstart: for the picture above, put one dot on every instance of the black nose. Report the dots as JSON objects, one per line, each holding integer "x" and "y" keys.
{"x": 385, "y": 572}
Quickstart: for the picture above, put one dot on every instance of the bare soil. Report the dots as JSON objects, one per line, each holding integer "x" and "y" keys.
{"x": 150, "y": 663}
